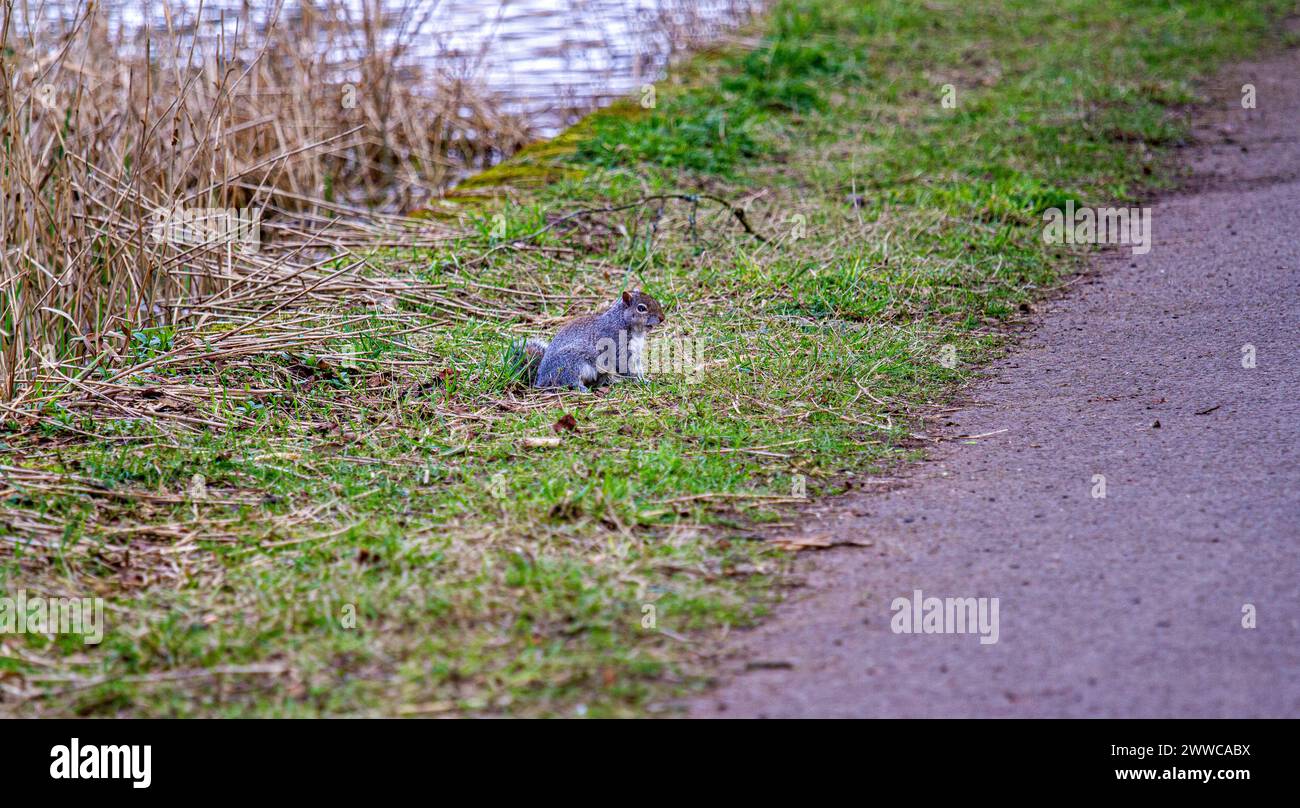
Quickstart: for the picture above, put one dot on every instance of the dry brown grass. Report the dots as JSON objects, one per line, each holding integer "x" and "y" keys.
{"x": 314, "y": 123}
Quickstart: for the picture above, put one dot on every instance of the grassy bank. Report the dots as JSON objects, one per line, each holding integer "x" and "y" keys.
{"x": 378, "y": 520}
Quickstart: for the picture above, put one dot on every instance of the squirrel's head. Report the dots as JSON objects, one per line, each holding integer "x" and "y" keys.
{"x": 641, "y": 311}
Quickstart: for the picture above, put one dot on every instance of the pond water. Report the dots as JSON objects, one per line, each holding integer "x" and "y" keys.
{"x": 555, "y": 58}
{"x": 551, "y": 60}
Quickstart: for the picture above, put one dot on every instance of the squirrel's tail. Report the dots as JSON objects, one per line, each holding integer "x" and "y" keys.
{"x": 524, "y": 358}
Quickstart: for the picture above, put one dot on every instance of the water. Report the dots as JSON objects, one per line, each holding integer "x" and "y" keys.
{"x": 549, "y": 60}
{"x": 554, "y": 59}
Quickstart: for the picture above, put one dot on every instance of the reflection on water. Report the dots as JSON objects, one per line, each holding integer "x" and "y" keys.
{"x": 549, "y": 59}
{"x": 549, "y": 56}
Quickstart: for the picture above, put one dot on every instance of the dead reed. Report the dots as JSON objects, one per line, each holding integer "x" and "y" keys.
{"x": 154, "y": 178}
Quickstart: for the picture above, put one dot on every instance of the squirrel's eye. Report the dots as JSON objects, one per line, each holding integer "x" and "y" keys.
{"x": 640, "y": 307}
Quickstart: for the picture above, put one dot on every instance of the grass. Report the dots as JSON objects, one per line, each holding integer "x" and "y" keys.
{"x": 383, "y": 524}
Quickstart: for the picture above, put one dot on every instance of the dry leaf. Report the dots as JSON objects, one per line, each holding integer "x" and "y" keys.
{"x": 540, "y": 443}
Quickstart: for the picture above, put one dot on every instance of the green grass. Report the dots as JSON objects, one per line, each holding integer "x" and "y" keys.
{"x": 402, "y": 549}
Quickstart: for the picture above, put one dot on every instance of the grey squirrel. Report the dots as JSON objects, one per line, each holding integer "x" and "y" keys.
{"x": 594, "y": 349}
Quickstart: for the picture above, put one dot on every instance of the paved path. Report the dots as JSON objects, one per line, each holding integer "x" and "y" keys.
{"x": 1128, "y": 605}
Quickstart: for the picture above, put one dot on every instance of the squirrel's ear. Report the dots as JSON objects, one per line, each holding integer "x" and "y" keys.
{"x": 627, "y": 298}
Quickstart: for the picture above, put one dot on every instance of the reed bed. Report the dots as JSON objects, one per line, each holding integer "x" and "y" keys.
{"x": 158, "y": 179}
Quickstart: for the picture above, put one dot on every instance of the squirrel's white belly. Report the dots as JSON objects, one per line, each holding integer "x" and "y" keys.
{"x": 636, "y": 355}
